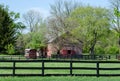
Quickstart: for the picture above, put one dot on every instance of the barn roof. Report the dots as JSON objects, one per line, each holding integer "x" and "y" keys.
{"x": 62, "y": 36}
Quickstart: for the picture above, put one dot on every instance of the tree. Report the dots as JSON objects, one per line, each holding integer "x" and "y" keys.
{"x": 8, "y": 28}
{"x": 93, "y": 25}
{"x": 38, "y": 39}
{"x": 32, "y": 19}
{"x": 36, "y": 35}
{"x": 116, "y": 18}
{"x": 111, "y": 46}
{"x": 20, "y": 45}
{"x": 57, "y": 22}
{"x": 37, "y": 26}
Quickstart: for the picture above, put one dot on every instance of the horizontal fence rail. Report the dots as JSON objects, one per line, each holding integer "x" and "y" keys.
{"x": 42, "y": 70}
{"x": 58, "y": 57}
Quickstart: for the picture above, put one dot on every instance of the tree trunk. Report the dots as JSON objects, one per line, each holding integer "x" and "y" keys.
{"x": 93, "y": 44}
{"x": 118, "y": 24}
{"x": 119, "y": 43}
{"x": 92, "y": 49}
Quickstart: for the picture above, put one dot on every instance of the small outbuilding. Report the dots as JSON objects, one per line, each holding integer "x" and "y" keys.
{"x": 31, "y": 53}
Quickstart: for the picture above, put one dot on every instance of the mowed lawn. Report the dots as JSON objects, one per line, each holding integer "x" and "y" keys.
{"x": 39, "y": 64}
{"x": 60, "y": 78}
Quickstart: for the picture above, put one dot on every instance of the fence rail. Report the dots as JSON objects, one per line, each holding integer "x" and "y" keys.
{"x": 71, "y": 68}
{"x": 58, "y": 57}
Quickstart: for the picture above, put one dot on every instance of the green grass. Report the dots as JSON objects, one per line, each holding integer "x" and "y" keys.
{"x": 53, "y": 78}
{"x": 60, "y": 78}
{"x": 38, "y": 64}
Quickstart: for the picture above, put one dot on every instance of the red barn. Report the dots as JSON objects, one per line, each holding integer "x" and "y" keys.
{"x": 65, "y": 46}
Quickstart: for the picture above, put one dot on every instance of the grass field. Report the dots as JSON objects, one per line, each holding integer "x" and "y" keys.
{"x": 53, "y": 78}
{"x": 38, "y": 71}
{"x": 60, "y": 78}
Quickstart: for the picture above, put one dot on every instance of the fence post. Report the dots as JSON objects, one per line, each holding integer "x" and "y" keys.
{"x": 14, "y": 68}
{"x": 71, "y": 67}
{"x": 116, "y": 56}
{"x": 97, "y": 69}
{"x": 19, "y": 57}
{"x": 109, "y": 56}
{"x": 11, "y": 57}
{"x": 42, "y": 67}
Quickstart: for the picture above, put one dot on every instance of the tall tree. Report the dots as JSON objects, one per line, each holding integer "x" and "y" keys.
{"x": 32, "y": 19}
{"x": 38, "y": 39}
{"x": 8, "y": 28}
{"x": 37, "y": 29}
{"x": 20, "y": 45}
{"x": 57, "y": 24}
{"x": 93, "y": 25}
{"x": 116, "y": 18}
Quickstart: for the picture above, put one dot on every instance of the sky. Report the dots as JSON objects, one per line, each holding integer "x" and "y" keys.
{"x": 22, "y": 6}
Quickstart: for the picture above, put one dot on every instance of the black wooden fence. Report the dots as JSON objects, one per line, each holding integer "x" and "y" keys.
{"x": 58, "y": 57}
{"x": 71, "y": 68}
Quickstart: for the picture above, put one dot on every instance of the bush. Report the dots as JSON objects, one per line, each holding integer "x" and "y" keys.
{"x": 10, "y": 49}
{"x": 99, "y": 50}
{"x": 112, "y": 50}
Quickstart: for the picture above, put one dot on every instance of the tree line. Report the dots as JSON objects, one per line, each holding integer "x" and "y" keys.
{"x": 98, "y": 28}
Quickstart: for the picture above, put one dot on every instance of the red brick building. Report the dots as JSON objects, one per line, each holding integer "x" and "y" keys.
{"x": 64, "y": 46}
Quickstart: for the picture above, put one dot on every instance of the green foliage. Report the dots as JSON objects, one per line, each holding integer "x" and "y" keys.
{"x": 112, "y": 50}
{"x": 92, "y": 25}
{"x": 10, "y": 49}
{"x": 116, "y": 18}
{"x": 37, "y": 40}
{"x": 116, "y": 12}
{"x": 89, "y": 24}
{"x": 99, "y": 50}
{"x": 34, "y": 39}
{"x": 8, "y": 27}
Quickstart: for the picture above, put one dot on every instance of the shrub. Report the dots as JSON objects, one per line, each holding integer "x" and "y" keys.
{"x": 99, "y": 50}
{"x": 112, "y": 50}
{"x": 10, "y": 49}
